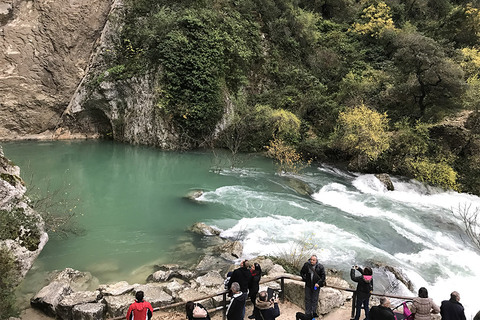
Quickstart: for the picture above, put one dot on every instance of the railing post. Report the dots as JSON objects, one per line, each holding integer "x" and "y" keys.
{"x": 224, "y": 310}
{"x": 354, "y": 300}
{"x": 282, "y": 287}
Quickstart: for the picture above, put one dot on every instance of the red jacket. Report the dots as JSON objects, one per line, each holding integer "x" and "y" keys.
{"x": 140, "y": 311}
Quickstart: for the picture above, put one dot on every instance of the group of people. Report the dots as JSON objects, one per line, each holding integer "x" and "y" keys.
{"x": 244, "y": 283}
{"x": 421, "y": 308}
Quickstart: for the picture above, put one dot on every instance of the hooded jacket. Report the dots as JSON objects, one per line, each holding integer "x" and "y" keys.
{"x": 422, "y": 307}
{"x": 313, "y": 275}
{"x": 365, "y": 284}
{"x": 236, "y": 308}
{"x": 140, "y": 311}
{"x": 266, "y": 310}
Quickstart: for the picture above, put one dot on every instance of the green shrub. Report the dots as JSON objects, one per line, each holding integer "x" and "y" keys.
{"x": 8, "y": 280}
{"x": 16, "y": 224}
{"x": 436, "y": 173}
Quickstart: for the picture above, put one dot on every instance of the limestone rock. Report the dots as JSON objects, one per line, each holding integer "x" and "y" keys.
{"x": 211, "y": 279}
{"x": 231, "y": 250}
{"x": 29, "y": 239}
{"x": 89, "y": 311}
{"x": 385, "y": 179}
{"x": 203, "y": 229}
{"x": 155, "y": 294}
{"x": 116, "y": 289}
{"x": 44, "y": 53}
{"x": 118, "y": 305}
{"x": 208, "y": 263}
{"x": 65, "y": 307}
{"x": 50, "y": 296}
{"x": 194, "y": 195}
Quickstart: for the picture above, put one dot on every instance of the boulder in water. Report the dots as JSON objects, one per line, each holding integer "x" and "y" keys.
{"x": 300, "y": 187}
{"x": 385, "y": 179}
{"x": 193, "y": 195}
{"x": 205, "y": 230}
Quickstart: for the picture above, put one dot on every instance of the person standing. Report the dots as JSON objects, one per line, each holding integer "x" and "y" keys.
{"x": 452, "y": 309}
{"x": 364, "y": 289}
{"x": 423, "y": 306}
{"x": 265, "y": 309}
{"x": 236, "y": 308}
{"x": 242, "y": 276}
{"x": 382, "y": 311}
{"x": 313, "y": 273}
{"x": 140, "y": 309}
{"x": 256, "y": 272}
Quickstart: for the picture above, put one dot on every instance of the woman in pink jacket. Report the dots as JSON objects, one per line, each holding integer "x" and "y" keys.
{"x": 423, "y": 306}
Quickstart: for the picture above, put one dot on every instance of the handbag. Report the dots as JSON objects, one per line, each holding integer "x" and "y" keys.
{"x": 199, "y": 312}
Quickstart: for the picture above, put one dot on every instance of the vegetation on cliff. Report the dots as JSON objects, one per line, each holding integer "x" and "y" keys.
{"x": 410, "y": 64}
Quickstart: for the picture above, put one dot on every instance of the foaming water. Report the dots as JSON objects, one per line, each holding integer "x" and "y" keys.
{"x": 135, "y": 216}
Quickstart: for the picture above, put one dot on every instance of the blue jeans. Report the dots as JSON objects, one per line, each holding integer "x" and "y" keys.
{"x": 358, "y": 307}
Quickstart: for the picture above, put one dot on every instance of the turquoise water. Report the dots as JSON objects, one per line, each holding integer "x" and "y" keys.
{"x": 133, "y": 211}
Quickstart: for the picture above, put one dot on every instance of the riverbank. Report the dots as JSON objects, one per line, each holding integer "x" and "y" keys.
{"x": 287, "y": 312}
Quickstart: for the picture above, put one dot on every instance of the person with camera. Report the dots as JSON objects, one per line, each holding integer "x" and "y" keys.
{"x": 313, "y": 273}
{"x": 265, "y": 309}
{"x": 364, "y": 289}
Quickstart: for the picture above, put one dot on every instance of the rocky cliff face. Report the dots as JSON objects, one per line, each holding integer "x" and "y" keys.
{"x": 45, "y": 50}
{"x": 123, "y": 109}
{"x": 22, "y": 228}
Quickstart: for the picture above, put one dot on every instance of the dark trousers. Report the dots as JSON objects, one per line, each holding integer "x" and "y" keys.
{"x": 362, "y": 301}
{"x": 311, "y": 300}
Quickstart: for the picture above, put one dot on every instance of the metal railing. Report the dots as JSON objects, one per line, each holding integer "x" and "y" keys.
{"x": 281, "y": 296}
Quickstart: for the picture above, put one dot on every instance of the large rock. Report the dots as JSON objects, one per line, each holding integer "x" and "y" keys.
{"x": 27, "y": 231}
{"x": 385, "y": 179}
{"x": 66, "y": 305}
{"x": 118, "y": 305}
{"x": 329, "y": 298}
{"x": 230, "y": 250}
{"x": 208, "y": 263}
{"x": 89, "y": 311}
{"x": 116, "y": 289}
{"x": 213, "y": 279}
{"x": 44, "y": 54}
{"x": 50, "y": 296}
{"x": 203, "y": 229}
{"x": 155, "y": 294}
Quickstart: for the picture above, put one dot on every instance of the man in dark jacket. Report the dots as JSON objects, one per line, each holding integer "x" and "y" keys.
{"x": 236, "y": 308}
{"x": 452, "y": 309}
{"x": 313, "y": 274}
{"x": 382, "y": 311}
{"x": 265, "y": 309}
{"x": 242, "y": 276}
{"x": 364, "y": 289}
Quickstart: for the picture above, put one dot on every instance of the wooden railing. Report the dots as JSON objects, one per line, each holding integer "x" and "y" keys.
{"x": 281, "y": 296}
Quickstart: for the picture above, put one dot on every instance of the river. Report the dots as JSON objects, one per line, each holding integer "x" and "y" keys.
{"x": 130, "y": 202}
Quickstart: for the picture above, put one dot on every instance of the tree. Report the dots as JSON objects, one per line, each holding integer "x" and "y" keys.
{"x": 362, "y": 133}
{"x": 428, "y": 78}
{"x": 287, "y": 158}
{"x": 471, "y": 222}
{"x": 376, "y": 19}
